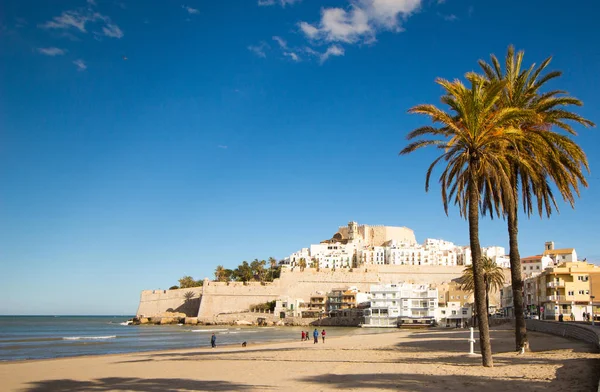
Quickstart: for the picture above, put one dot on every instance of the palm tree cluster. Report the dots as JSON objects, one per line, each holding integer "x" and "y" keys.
{"x": 493, "y": 278}
{"x": 256, "y": 270}
{"x": 499, "y": 142}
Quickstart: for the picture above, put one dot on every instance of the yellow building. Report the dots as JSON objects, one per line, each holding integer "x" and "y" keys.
{"x": 567, "y": 289}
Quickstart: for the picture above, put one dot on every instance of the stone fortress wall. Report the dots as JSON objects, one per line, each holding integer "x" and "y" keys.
{"x": 221, "y": 297}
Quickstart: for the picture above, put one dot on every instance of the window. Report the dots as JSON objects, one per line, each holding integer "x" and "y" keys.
{"x": 451, "y": 297}
{"x": 581, "y": 292}
{"x": 571, "y": 293}
{"x": 454, "y": 312}
{"x": 464, "y": 312}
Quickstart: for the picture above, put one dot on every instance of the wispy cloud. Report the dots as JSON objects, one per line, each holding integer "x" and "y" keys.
{"x": 361, "y": 22}
{"x": 470, "y": 11}
{"x": 80, "y": 64}
{"x": 52, "y": 51}
{"x": 78, "y": 20}
{"x": 441, "y": 1}
{"x": 222, "y": 147}
{"x": 292, "y": 55}
{"x": 91, "y": 2}
{"x": 112, "y": 30}
{"x": 70, "y": 19}
{"x": 283, "y": 3}
{"x": 190, "y": 10}
{"x": 282, "y": 43}
{"x": 333, "y": 50}
{"x": 260, "y": 49}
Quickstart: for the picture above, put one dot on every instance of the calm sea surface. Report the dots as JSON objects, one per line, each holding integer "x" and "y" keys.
{"x": 37, "y": 337}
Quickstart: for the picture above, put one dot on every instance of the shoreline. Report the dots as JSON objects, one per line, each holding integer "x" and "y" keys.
{"x": 259, "y": 344}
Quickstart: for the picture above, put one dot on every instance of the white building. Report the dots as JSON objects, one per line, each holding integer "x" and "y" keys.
{"x": 402, "y": 303}
{"x": 453, "y": 315}
{"x": 534, "y": 265}
{"x": 374, "y": 245}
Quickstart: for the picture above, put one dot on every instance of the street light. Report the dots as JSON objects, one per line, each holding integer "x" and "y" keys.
{"x": 592, "y": 301}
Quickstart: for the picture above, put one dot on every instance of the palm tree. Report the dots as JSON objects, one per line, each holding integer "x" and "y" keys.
{"x": 272, "y": 266}
{"x": 493, "y": 276}
{"x": 474, "y": 135}
{"x": 302, "y": 263}
{"x": 551, "y": 156}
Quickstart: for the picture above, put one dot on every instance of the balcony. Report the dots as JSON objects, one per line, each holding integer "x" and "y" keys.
{"x": 556, "y": 298}
{"x": 555, "y": 284}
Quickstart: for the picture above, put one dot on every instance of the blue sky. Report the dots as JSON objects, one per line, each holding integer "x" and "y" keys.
{"x": 143, "y": 141}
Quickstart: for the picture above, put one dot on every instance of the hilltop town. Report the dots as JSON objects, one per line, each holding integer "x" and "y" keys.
{"x": 378, "y": 276}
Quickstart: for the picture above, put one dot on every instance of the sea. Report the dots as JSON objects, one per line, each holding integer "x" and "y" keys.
{"x": 42, "y": 337}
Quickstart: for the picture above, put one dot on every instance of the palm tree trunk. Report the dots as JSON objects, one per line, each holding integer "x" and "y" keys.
{"x": 516, "y": 279}
{"x": 484, "y": 332}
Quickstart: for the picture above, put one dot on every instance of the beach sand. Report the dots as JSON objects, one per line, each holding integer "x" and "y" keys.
{"x": 429, "y": 360}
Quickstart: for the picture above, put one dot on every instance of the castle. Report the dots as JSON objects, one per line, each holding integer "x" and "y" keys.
{"x": 356, "y": 255}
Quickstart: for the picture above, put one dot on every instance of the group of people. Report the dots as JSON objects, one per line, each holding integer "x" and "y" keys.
{"x": 305, "y": 335}
{"x": 586, "y": 317}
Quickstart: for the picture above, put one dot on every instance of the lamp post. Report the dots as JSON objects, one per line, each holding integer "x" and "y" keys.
{"x": 592, "y": 301}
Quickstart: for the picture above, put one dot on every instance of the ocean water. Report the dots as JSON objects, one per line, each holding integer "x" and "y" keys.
{"x": 39, "y": 337}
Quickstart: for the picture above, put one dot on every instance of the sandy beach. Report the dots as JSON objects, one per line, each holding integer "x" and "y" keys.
{"x": 430, "y": 360}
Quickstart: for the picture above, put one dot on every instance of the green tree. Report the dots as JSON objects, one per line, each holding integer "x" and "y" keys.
{"x": 258, "y": 269}
{"x": 493, "y": 277}
{"x": 187, "y": 282}
{"x": 272, "y": 267}
{"x": 220, "y": 274}
{"x": 243, "y": 273}
{"x": 473, "y": 136}
{"x": 545, "y": 156}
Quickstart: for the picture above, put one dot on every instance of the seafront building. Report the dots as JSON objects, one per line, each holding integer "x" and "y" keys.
{"x": 401, "y": 304}
{"x": 356, "y": 245}
{"x": 570, "y": 289}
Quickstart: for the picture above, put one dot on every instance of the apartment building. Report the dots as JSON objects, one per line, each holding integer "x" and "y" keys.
{"x": 566, "y": 289}
{"x": 400, "y": 304}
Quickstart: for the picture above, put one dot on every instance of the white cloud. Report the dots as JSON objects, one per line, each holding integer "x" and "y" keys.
{"x": 91, "y": 2}
{"x": 260, "y": 49}
{"x": 52, "y": 51}
{"x": 292, "y": 55}
{"x": 222, "y": 147}
{"x": 283, "y": 3}
{"x": 80, "y": 64}
{"x": 112, "y": 30}
{"x": 361, "y": 21}
{"x": 190, "y": 10}
{"x": 282, "y": 43}
{"x": 441, "y": 1}
{"x": 70, "y": 19}
{"x": 78, "y": 19}
{"x": 333, "y": 50}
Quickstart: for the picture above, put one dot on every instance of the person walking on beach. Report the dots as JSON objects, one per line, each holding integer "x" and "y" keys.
{"x": 307, "y": 335}
{"x": 316, "y": 336}
{"x": 213, "y": 341}
{"x": 303, "y": 336}
{"x": 323, "y": 335}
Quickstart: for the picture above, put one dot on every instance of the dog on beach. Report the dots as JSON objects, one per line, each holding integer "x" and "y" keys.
{"x": 244, "y": 344}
